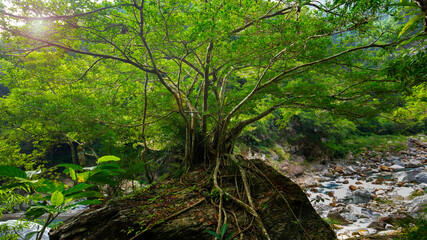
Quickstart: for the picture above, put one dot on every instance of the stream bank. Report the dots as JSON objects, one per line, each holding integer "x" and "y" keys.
{"x": 369, "y": 194}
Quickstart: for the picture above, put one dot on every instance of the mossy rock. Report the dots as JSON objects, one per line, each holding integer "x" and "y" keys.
{"x": 184, "y": 209}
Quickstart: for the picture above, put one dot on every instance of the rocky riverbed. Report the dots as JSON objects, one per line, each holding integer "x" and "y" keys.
{"x": 369, "y": 194}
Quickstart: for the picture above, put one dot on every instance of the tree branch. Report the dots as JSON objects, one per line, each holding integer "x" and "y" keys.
{"x": 52, "y": 18}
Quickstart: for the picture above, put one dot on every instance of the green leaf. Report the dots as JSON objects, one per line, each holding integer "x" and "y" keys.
{"x": 36, "y": 211}
{"x": 410, "y": 22}
{"x": 108, "y": 166}
{"x": 223, "y": 230}
{"x": 69, "y": 165}
{"x": 57, "y": 198}
{"x": 102, "y": 178}
{"x": 78, "y": 188}
{"x": 47, "y": 187}
{"x": 13, "y": 186}
{"x": 213, "y": 234}
{"x": 30, "y": 235}
{"x": 108, "y": 158}
{"x": 72, "y": 174}
{"x": 230, "y": 236}
{"x": 11, "y": 171}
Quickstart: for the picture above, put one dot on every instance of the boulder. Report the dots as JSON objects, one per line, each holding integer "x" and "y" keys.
{"x": 349, "y": 217}
{"x": 378, "y": 225}
{"x": 185, "y": 211}
{"x": 400, "y": 176}
{"x": 418, "y": 204}
{"x": 421, "y": 177}
{"x": 361, "y": 196}
{"x": 413, "y": 163}
{"x": 335, "y": 215}
{"x": 395, "y": 160}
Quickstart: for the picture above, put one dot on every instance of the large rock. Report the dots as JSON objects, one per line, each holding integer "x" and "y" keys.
{"x": 421, "y": 177}
{"x": 186, "y": 212}
{"x": 400, "y": 176}
{"x": 335, "y": 215}
{"x": 396, "y": 160}
{"x": 361, "y": 196}
{"x": 418, "y": 204}
{"x": 413, "y": 163}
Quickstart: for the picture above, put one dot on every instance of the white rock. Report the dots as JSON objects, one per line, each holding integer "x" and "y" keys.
{"x": 396, "y": 167}
{"x": 417, "y": 204}
{"x": 400, "y": 176}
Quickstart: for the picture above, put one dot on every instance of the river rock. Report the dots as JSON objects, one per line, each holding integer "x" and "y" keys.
{"x": 339, "y": 169}
{"x": 421, "y": 177}
{"x": 295, "y": 170}
{"x": 378, "y": 225}
{"x": 396, "y": 167}
{"x": 395, "y": 160}
{"x": 349, "y": 217}
{"x": 415, "y": 143}
{"x": 418, "y": 204}
{"x": 400, "y": 176}
{"x": 335, "y": 215}
{"x": 361, "y": 196}
{"x": 413, "y": 163}
{"x": 277, "y": 209}
{"x": 385, "y": 168}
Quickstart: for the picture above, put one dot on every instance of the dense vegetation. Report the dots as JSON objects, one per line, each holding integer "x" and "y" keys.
{"x": 151, "y": 81}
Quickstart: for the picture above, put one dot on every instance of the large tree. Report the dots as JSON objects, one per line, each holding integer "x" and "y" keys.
{"x": 226, "y": 64}
{"x": 219, "y": 65}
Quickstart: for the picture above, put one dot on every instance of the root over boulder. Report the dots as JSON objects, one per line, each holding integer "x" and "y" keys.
{"x": 185, "y": 208}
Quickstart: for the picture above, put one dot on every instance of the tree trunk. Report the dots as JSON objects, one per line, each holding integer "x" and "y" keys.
{"x": 73, "y": 153}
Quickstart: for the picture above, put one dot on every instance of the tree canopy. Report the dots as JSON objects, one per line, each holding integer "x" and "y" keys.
{"x": 199, "y": 72}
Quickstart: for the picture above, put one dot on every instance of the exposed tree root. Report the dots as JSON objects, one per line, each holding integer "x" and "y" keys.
{"x": 249, "y": 208}
{"x": 168, "y": 218}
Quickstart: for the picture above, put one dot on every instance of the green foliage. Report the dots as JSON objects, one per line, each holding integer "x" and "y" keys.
{"x": 318, "y": 133}
{"x": 9, "y": 232}
{"x": 11, "y": 171}
{"x": 54, "y": 197}
{"x": 50, "y": 197}
{"x": 414, "y": 228}
{"x": 222, "y": 232}
{"x": 108, "y": 159}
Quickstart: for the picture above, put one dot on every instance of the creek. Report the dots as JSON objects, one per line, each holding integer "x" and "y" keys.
{"x": 369, "y": 195}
